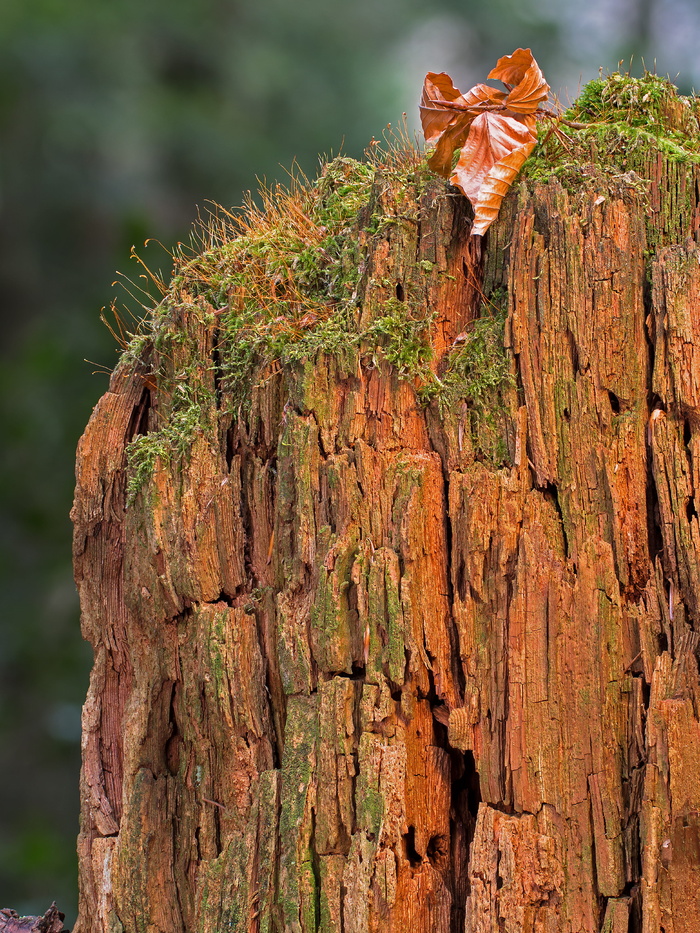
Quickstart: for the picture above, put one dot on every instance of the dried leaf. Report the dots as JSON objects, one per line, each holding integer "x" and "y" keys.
{"x": 494, "y": 130}
{"x": 446, "y": 116}
{"x": 521, "y": 72}
{"x": 435, "y": 111}
{"x": 491, "y": 138}
{"x": 496, "y": 185}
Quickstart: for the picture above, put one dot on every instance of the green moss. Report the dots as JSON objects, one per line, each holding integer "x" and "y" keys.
{"x": 395, "y": 630}
{"x": 370, "y": 801}
{"x": 137, "y": 349}
{"x": 618, "y": 121}
{"x": 142, "y": 454}
{"x": 478, "y": 372}
{"x": 330, "y": 612}
{"x": 342, "y": 191}
{"x": 297, "y": 888}
{"x": 281, "y": 282}
{"x": 648, "y": 101}
{"x": 254, "y": 340}
{"x": 402, "y": 335}
{"x": 190, "y": 406}
{"x": 217, "y": 653}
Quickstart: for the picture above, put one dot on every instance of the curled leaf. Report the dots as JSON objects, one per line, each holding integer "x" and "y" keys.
{"x": 521, "y": 72}
{"x": 494, "y": 130}
{"x": 446, "y": 116}
{"x": 500, "y": 175}
{"x": 436, "y": 110}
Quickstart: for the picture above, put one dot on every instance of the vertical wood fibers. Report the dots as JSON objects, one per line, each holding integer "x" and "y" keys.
{"x": 352, "y": 676}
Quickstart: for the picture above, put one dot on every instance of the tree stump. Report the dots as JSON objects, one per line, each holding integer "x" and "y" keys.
{"x": 387, "y": 546}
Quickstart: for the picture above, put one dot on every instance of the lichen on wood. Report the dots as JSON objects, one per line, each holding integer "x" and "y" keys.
{"x": 385, "y": 641}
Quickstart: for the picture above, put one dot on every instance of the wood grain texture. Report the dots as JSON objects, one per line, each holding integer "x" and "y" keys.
{"x": 351, "y": 676}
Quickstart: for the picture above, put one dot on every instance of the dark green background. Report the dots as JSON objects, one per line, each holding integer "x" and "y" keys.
{"x": 117, "y": 119}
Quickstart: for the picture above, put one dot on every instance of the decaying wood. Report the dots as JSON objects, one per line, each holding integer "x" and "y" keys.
{"x": 50, "y": 922}
{"x": 349, "y": 675}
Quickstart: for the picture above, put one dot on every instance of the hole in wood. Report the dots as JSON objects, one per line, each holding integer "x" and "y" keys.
{"x": 438, "y": 851}
{"x": 461, "y": 579}
{"x": 172, "y": 753}
{"x": 464, "y": 804}
{"x": 409, "y": 847}
{"x": 573, "y": 352}
{"x": 654, "y": 535}
{"x": 655, "y": 402}
{"x": 400, "y": 294}
{"x": 614, "y": 402}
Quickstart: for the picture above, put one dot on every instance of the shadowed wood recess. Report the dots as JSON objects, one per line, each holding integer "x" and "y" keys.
{"x": 383, "y": 641}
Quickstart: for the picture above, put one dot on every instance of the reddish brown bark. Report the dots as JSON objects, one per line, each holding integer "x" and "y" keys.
{"x": 352, "y": 676}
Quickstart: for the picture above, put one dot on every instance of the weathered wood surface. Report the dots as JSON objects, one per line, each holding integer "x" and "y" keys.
{"x": 349, "y": 676}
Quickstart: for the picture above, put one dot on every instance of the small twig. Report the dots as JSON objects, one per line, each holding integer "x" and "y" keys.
{"x": 580, "y": 126}
{"x": 485, "y": 105}
{"x": 214, "y": 803}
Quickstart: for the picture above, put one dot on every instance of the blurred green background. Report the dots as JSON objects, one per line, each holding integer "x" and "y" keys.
{"x": 118, "y": 118}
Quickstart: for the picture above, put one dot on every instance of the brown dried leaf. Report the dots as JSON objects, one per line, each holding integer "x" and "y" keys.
{"x": 495, "y": 130}
{"x": 446, "y": 116}
{"x": 492, "y": 137}
{"x": 496, "y": 185}
{"x": 510, "y": 69}
{"x": 492, "y": 156}
{"x": 521, "y": 72}
{"x": 435, "y": 113}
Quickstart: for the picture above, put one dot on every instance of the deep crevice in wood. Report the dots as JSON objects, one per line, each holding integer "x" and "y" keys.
{"x": 138, "y": 424}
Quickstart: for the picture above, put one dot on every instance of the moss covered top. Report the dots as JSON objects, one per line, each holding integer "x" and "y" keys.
{"x": 286, "y": 279}
{"x": 282, "y": 277}
{"x": 619, "y": 124}
{"x": 651, "y": 102}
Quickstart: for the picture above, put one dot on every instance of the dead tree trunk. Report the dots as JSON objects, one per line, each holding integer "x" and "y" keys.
{"x": 390, "y": 643}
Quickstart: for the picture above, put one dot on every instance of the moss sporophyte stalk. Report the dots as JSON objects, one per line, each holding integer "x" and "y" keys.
{"x": 287, "y": 278}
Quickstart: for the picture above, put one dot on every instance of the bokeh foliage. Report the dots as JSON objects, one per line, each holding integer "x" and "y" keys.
{"x": 116, "y": 120}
